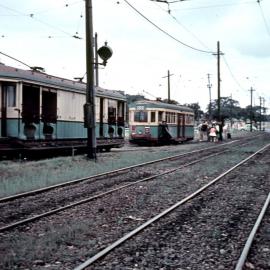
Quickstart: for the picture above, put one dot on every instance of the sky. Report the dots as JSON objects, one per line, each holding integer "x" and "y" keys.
{"x": 148, "y": 38}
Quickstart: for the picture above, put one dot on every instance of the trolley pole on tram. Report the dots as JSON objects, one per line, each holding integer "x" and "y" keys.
{"x": 89, "y": 107}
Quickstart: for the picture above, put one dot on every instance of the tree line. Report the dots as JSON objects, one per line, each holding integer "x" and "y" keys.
{"x": 230, "y": 109}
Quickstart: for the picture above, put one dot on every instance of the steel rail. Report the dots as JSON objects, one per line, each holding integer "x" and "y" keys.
{"x": 86, "y": 200}
{"x": 91, "y": 178}
{"x": 248, "y": 244}
{"x": 120, "y": 241}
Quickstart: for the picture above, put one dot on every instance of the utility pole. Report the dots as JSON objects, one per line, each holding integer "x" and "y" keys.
{"x": 209, "y": 85}
{"x": 96, "y": 60}
{"x": 231, "y": 110}
{"x": 218, "y": 89}
{"x": 89, "y": 107}
{"x": 264, "y": 111}
{"x": 260, "y": 98}
{"x": 218, "y": 80}
{"x": 169, "y": 85}
{"x": 251, "y": 101}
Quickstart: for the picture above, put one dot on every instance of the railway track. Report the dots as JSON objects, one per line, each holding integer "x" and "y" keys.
{"x": 9, "y": 211}
{"x": 107, "y": 174}
{"x": 101, "y": 233}
{"x": 30, "y": 206}
{"x": 243, "y": 259}
{"x": 129, "y": 236}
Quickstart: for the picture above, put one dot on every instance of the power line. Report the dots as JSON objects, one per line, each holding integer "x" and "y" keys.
{"x": 232, "y": 75}
{"x": 19, "y": 61}
{"x": 185, "y": 28}
{"x": 36, "y": 36}
{"x": 62, "y": 6}
{"x": 264, "y": 19}
{"x": 32, "y": 16}
{"x": 166, "y": 33}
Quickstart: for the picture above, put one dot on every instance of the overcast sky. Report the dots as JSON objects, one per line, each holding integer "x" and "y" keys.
{"x": 40, "y": 33}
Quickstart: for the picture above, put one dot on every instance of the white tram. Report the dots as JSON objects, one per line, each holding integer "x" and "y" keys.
{"x": 37, "y": 110}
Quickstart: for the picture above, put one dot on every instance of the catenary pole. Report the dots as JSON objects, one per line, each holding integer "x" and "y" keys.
{"x": 260, "y": 98}
{"x": 218, "y": 91}
{"x": 251, "y": 109}
{"x": 96, "y": 60}
{"x": 218, "y": 80}
{"x": 169, "y": 85}
{"x": 209, "y": 85}
{"x": 264, "y": 112}
{"x": 89, "y": 108}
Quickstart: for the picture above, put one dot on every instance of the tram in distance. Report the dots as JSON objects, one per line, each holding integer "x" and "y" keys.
{"x": 40, "y": 111}
{"x": 156, "y": 122}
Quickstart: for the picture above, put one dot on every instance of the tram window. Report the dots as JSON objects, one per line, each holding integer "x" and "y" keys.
{"x": 11, "y": 95}
{"x": 167, "y": 117}
{"x": 174, "y": 118}
{"x": 112, "y": 108}
{"x": 140, "y": 116}
{"x": 160, "y": 113}
{"x": 111, "y": 115}
{"x": 170, "y": 117}
{"x": 153, "y": 117}
{"x": 190, "y": 119}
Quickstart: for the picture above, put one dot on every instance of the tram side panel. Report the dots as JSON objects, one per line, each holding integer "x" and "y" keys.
{"x": 33, "y": 112}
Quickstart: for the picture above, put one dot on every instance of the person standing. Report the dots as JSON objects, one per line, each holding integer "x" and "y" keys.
{"x": 203, "y": 130}
{"x": 212, "y": 134}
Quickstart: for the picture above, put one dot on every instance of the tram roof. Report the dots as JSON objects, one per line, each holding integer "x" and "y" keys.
{"x": 159, "y": 104}
{"x": 37, "y": 77}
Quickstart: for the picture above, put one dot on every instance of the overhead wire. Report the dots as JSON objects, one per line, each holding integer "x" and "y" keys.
{"x": 32, "y": 16}
{"x": 51, "y": 9}
{"x": 13, "y": 58}
{"x": 264, "y": 19}
{"x": 79, "y": 23}
{"x": 185, "y": 28}
{"x": 166, "y": 33}
{"x": 225, "y": 61}
{"x": 230, "y": 71}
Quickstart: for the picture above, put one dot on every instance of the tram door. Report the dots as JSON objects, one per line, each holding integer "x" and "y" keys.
{"x": 49, "y": 112}
{"x": 180, "y": 125}
{"x": 101, "y": 116}
{"x": 30, "y": 110}
{"x": 30, "y": 104}
{"x": 8, "y": 100}
{"x": 49, "y": 107}
{"x": 4, "y": 112}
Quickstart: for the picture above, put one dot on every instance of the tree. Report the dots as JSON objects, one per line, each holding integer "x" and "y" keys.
{"x": 171, "y": 101}
{"x": 229, "y": 108}
{"x": 133, "y": 98}
{"x": 198, "y": 113}
{"x": 254, "y": 115}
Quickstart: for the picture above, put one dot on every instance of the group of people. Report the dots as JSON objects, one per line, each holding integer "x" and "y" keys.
{"x": 211, "y": 131}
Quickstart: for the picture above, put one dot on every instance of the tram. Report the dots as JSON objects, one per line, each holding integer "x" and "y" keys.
{"x": 156, "y": 122}
{"x": 41, "y": 112}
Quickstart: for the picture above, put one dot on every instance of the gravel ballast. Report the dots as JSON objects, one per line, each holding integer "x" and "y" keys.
{"x": 65, "y": 240}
